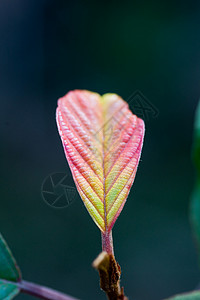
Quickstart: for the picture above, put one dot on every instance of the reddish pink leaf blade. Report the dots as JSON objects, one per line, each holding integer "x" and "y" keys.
{"x": 102, "y": 140}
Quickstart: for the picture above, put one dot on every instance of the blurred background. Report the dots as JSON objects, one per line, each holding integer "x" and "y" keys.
{"x": 49, "y": 47}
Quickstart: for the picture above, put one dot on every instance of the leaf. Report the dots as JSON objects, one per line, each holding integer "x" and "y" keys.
{"x": 8, "y": 291}
{"x": 8, "y": 267}
{"x": 9, "y": 272}
{"x": 186, "y": 296}
{"x": 195, "y": 198}
{"x": 102, "y": 141}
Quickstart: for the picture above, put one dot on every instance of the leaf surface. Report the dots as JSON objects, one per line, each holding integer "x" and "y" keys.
{"x": 186, "y": 296}
{"x": 8, "y": 291}
{"x": 9, "y": 272}
{"x": 102, "y": 141}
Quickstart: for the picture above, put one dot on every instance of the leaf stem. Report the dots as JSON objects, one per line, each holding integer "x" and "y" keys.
{"x": 107, "y": 242}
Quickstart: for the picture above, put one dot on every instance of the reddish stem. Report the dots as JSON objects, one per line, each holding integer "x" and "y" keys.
{"x": 107, "y": 242}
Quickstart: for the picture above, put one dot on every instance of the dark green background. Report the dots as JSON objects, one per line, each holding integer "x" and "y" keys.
{"x": 50, "y": 47}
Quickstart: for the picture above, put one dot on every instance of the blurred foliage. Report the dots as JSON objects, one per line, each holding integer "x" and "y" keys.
{"x": 187, "y": 296}
{"x": 9, "y": 272}
{"x": 196, "y": 144}
{"x": 195, "y": 201}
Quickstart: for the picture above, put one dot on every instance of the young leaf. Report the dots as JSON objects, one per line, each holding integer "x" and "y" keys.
{"x": 102, "y": 141}
{"x": 9, "y": 272}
